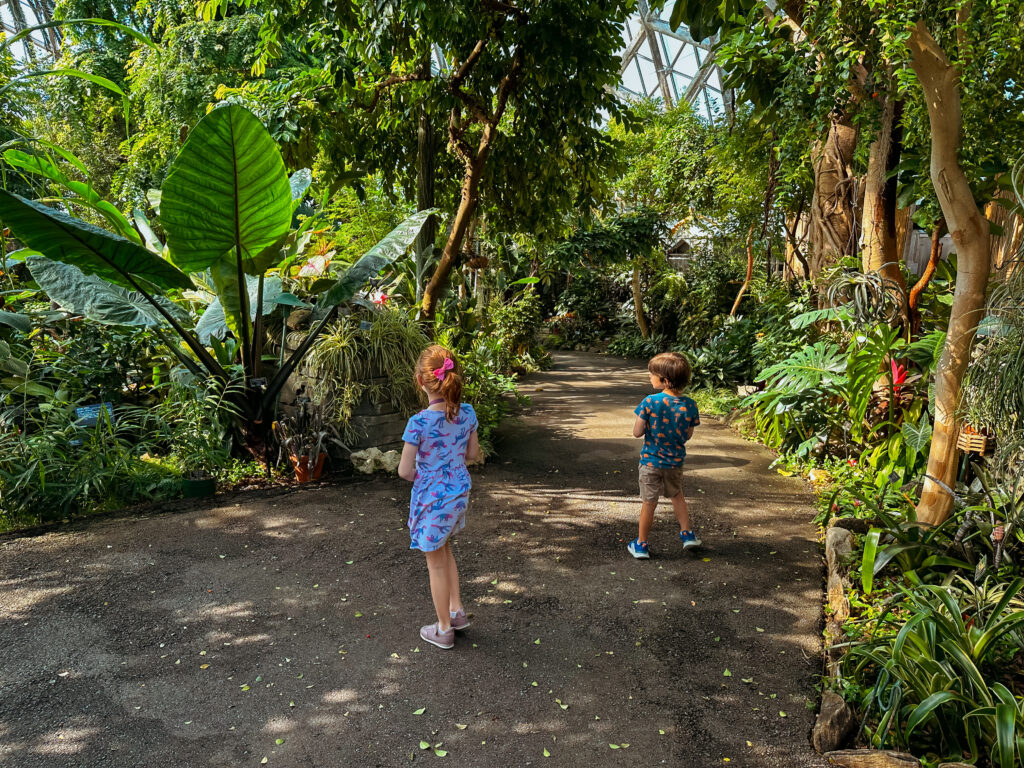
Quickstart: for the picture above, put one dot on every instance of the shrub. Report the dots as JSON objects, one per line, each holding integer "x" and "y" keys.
{"x": 629, "y": 343}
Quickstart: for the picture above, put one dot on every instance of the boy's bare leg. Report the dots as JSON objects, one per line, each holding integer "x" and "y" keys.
{"x": 454, "y": 597}
{"x": 682, "y": 511}
{"x": 646, "y": 519}
{"x": 440, "y": 591}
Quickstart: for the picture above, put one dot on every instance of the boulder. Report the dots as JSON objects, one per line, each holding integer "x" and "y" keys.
{"x": 833, "y": 725}
{"x": 838, "y": 547}
{"x": 872, "y": 758}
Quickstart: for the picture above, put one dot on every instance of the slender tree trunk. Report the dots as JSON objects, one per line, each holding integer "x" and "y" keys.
{"x": 969, "y": 229}
{"x": 463, "y": 217}
{"x": 879, "y": 250}
{"x": 426, "y": 167}
{"x": 638, "y": 305}
{"x": 750, "y": 272}
{"x": 833, "y": 232}
{"x": 929, "y": 271}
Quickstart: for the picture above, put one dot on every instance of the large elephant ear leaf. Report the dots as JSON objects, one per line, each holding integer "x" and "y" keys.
{"x": 394, "y": 244}
{"x": 97, "y": 299}
{"x": 215, "y": 322}
{"x": 93, "y": 250}
{"x": 227, "y": 190}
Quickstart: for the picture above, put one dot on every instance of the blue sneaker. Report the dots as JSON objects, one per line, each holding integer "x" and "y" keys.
{"x": 689, "y": 539}
{"x": 638, "y": 550}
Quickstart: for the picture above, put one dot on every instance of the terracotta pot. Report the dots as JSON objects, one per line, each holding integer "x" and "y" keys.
{"x": 304, "y": 472}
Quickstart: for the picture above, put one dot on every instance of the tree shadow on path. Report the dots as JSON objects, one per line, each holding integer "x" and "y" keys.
{"x": 204, "y": 638}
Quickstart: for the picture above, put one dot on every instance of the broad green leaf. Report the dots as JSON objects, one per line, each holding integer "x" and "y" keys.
{"x": 97, "y": 299}
{"x": 396, "y": 243}
{"x": 917, "y": 436}
{"x": 226, "y": 191}
{"x": 299, "y": 183}
{"x": 213, "y": 324}
{"x": 16, "y": 321}
{"x": 93, "y": 250}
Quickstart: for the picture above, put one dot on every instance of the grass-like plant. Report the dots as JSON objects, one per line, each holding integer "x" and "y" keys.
{"x": 940, "y": 673}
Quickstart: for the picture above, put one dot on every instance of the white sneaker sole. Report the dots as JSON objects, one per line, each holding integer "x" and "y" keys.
{"x": 639, "y": 555}
{"x": 434, "y": 642}
{"x": 692, "y": 544}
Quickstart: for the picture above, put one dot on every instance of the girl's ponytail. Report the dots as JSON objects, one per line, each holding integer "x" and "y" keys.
{"x": 440, "y": 372}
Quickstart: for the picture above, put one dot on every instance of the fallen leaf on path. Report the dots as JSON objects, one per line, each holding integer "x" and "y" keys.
{"x": 461, "y": 727}
{"x": 440, "y": 752}
{"x": 727, "y": 673}
{"x": 420, "y": 711}
{"x": 424, "y": 745}
{"x": 546, "y": 753}
{"x": 279, "y": 742}
{"x": 782, "y": 714}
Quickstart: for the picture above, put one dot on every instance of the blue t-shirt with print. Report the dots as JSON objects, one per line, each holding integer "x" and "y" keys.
{"x": 668, "y": 419}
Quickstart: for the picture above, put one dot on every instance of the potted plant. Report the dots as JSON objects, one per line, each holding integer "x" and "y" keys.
{"x": 304, "y": 435}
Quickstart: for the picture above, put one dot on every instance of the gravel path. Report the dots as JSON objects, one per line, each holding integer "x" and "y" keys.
{"x": 285, "y": 627}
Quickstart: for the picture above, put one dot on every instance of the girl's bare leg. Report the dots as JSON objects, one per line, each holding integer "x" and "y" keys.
{"x": 437, "y": 566}
{"x": 454, "y": 596}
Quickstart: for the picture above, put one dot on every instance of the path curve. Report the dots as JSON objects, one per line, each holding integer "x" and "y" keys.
{"x": 204, "y": 637}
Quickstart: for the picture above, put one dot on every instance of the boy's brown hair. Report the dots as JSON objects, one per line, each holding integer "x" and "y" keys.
{"x": 671, "y": 367}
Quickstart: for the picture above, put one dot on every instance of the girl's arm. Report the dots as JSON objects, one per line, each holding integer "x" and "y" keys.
{"x": 407, "y": 466}
{"x": 639, "y": 426}
{"x": 473, "y": 453}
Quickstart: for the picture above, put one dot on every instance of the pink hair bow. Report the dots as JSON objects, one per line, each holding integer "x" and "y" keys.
{"x": 447, "y": 366}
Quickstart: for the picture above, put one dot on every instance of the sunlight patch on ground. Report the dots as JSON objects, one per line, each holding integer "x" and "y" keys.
{"x": 28, "y": 599}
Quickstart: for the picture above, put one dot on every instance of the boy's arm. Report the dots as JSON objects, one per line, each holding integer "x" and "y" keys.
{"x": 639, "y": 426}
{"x": 407, "y": 466}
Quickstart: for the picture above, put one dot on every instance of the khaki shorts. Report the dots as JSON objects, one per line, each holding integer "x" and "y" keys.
{"x": 656, "y": 482}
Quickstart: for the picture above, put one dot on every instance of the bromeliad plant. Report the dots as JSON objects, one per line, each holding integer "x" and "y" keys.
{"x": 227, "y": 207}
{"x": 941, "y": 670}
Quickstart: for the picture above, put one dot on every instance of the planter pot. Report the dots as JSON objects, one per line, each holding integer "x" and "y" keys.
{"x": 197, "y": 489}
{"x": 304, "y": 472}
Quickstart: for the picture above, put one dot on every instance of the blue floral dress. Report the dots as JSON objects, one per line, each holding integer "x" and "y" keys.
{"x": 440, "y": 492}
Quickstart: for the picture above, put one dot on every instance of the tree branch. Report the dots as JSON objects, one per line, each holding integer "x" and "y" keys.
{"x": 388, "y": 83}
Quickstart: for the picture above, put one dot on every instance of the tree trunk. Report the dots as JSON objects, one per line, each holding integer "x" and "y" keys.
{"x": 970, "y": 233}
{"x": 879, "y": 252}
{"x": 638, "y": 305}
{"x": 750, "y": 272}
{"x": 426, "y": 167}
{"x": 929, "y": 271}
{"x": 463, "y": 217}
{"x": 833, "y": 232}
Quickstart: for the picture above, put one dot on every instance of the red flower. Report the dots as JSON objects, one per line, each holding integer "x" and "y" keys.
{"x": 899, "y": 375}
{"x": 852, "y": 462}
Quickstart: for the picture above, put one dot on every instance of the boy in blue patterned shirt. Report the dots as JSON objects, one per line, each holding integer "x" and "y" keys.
{"x": 665, "y": 421}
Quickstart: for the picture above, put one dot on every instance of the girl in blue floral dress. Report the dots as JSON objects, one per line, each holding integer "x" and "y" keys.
{"x": 438, "y": 443}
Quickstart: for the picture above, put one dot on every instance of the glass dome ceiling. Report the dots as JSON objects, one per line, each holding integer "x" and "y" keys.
{"x": 660, "y": 63}
{"x": 16, "y": 15}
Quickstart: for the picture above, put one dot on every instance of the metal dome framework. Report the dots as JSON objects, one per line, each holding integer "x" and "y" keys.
{"x": 19, "y": 15}
{"x": 661, "y": 63}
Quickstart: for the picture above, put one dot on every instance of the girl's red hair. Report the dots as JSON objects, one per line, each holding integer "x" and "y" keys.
{"x": 431, "y": 373}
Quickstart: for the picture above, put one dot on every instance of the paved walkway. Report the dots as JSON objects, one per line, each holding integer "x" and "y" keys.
{"x": 285, "y": 628}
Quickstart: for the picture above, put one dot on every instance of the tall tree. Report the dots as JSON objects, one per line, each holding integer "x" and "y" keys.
{"x": 524, "y": 83}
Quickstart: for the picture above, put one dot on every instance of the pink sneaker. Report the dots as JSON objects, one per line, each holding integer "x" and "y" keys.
{"x": 460, "y": 620}
{"x": 433, "y": 635}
